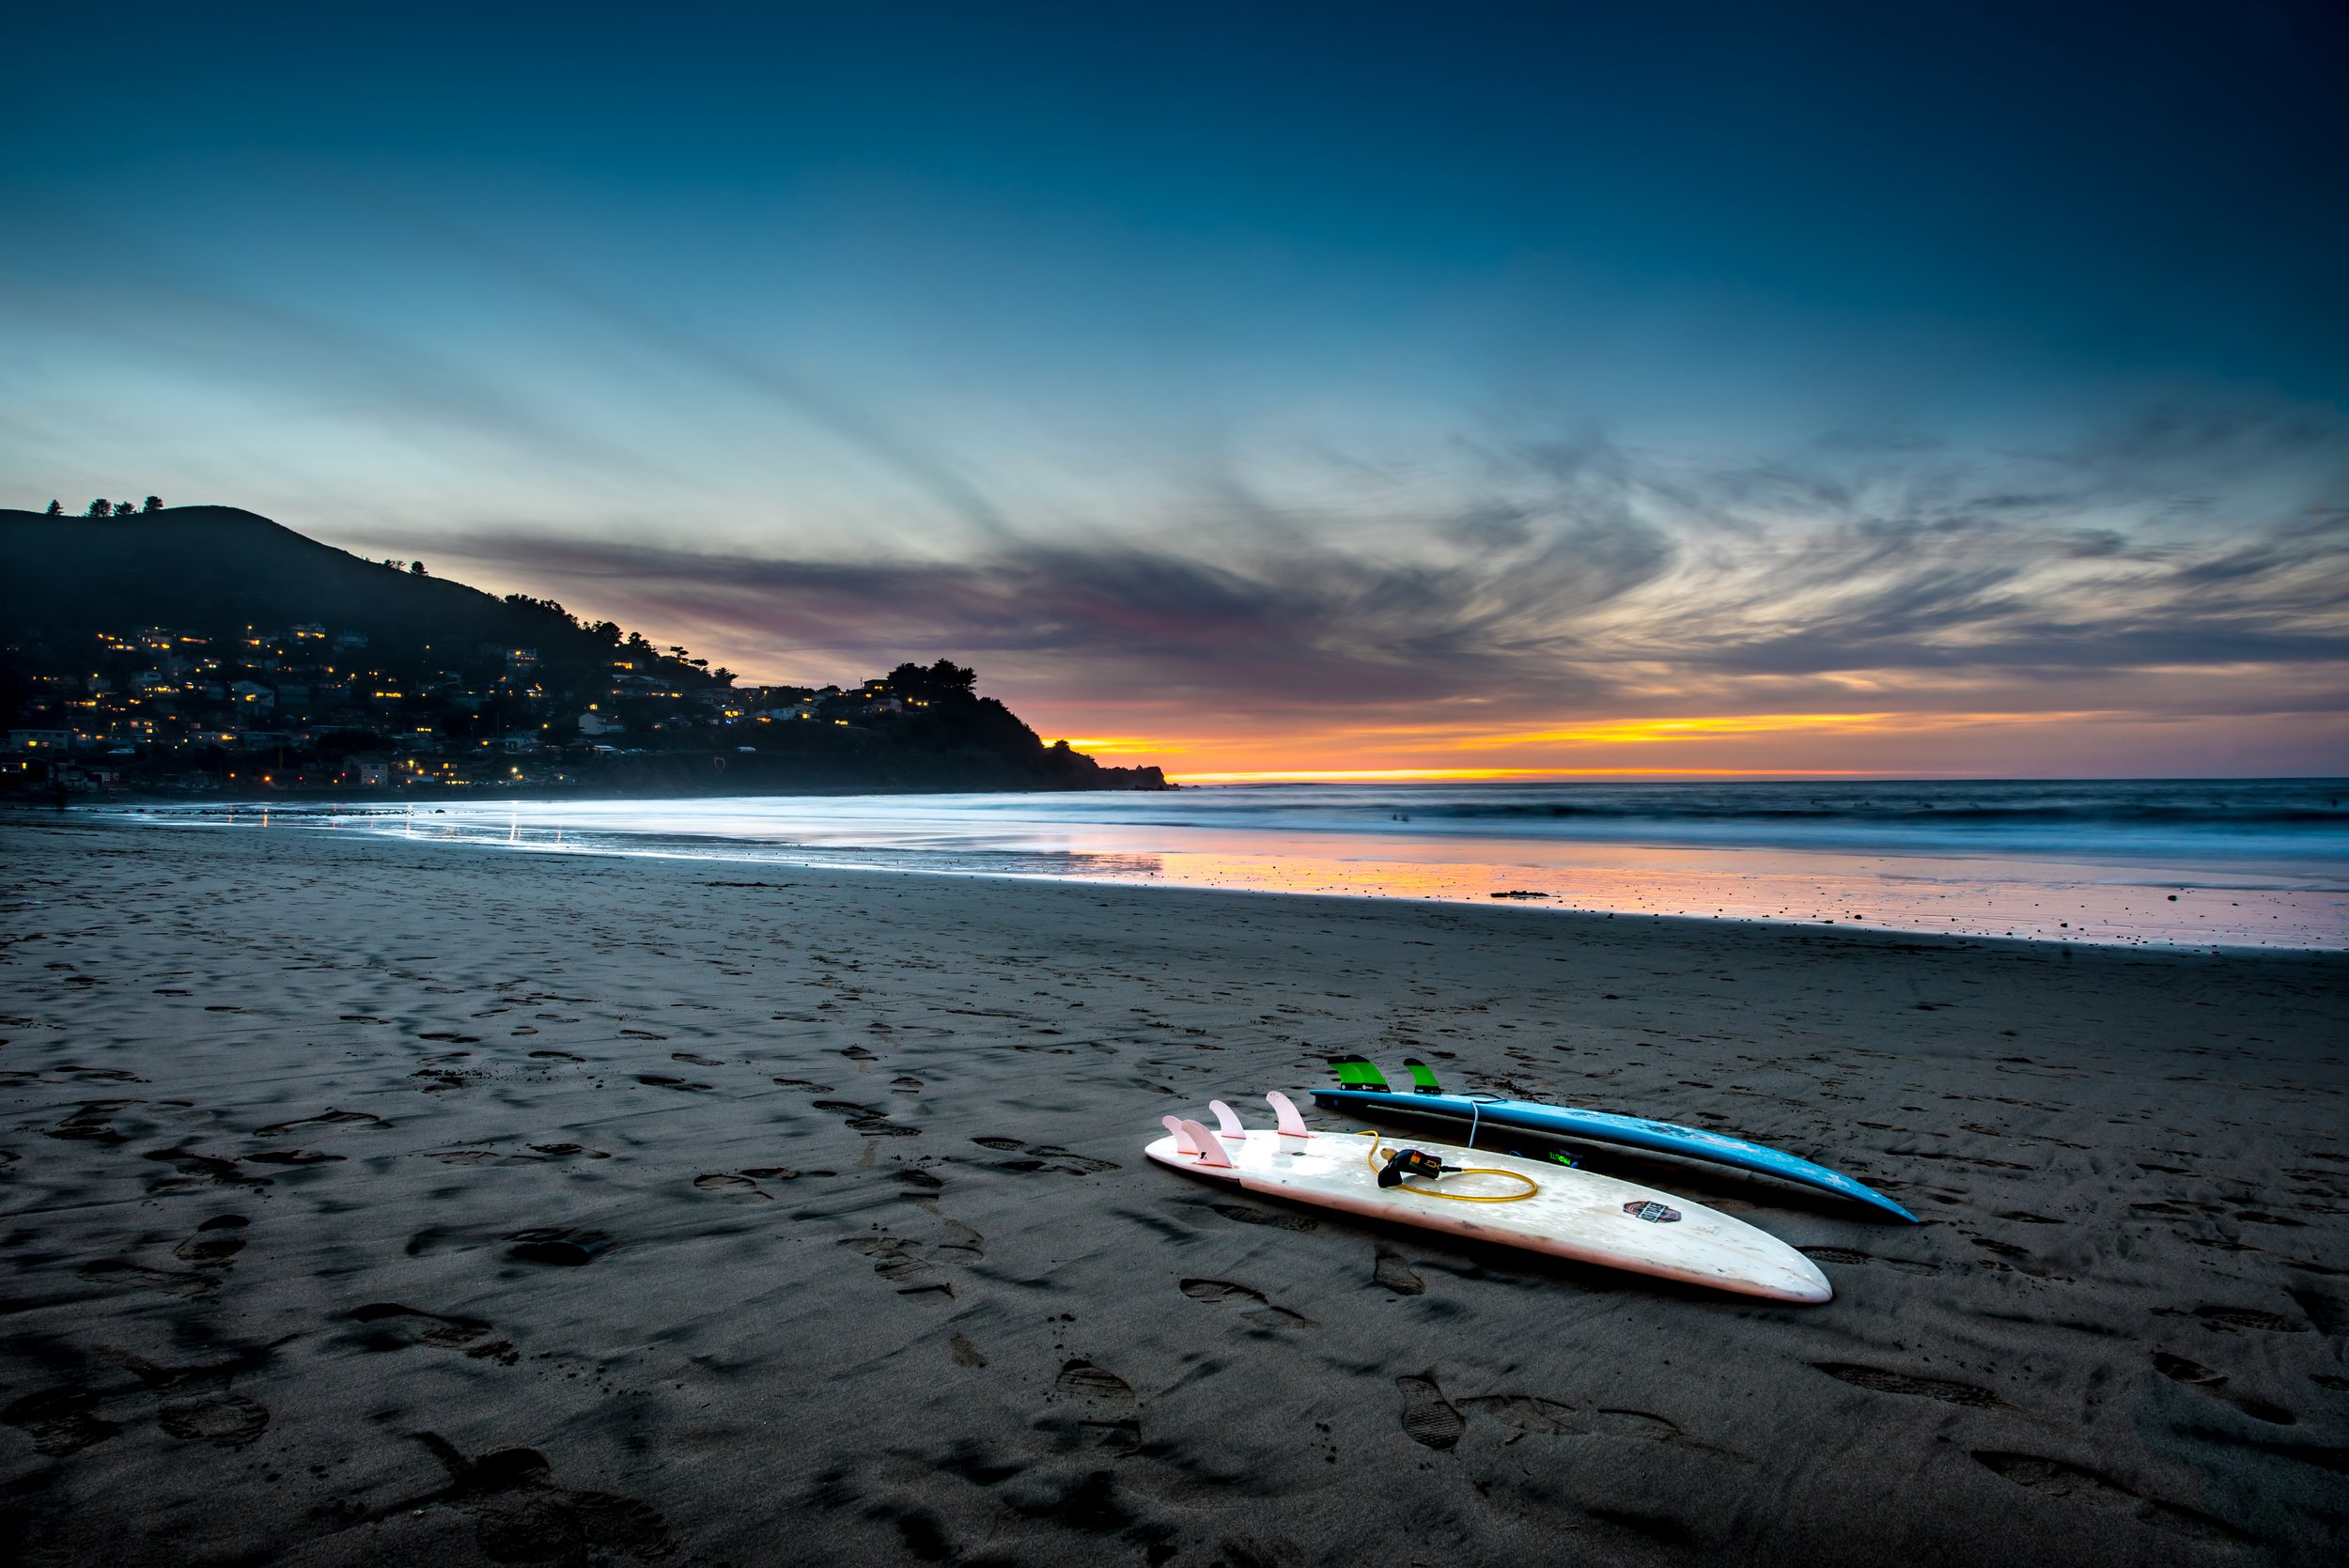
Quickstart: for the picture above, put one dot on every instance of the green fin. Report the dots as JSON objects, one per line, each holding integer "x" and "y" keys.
{"x": 1423, "y": 1077}
{"x": 1566, "y": 1160}
{"x": 1357, "y": 1072}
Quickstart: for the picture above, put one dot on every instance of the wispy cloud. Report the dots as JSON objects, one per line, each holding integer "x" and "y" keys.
{"x": 1583, "y": 577}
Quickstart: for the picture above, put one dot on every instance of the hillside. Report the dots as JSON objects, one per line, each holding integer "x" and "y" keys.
{"x": 208, "y": 648}
{"x": 65, "y": 579}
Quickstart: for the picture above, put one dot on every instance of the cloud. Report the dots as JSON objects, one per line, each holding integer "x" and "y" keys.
{"x": 1584, "y": 577}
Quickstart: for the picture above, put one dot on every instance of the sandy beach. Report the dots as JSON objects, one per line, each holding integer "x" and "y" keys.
{"x": 370, "y": 1202}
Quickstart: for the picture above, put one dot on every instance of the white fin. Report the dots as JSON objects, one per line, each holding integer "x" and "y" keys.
{"x": 1183, "y": 1145}
{"x": 1285, "y": 1112}
{"x": 1210, "y": 1148}
{"x": 1227, "y": 1121}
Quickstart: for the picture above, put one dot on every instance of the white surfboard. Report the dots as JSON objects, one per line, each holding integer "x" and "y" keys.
{"x": 1571, "y": 1213}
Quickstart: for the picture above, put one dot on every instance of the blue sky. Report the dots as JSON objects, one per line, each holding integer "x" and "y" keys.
{"x": 1371, "y": 380}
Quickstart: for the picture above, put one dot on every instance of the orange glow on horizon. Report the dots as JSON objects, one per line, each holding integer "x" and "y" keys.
{"x": 1502, "y": 775}
{"x": 1122, "y": 746}
{"x": 1643, "y": 732}
{"x": 1821, "y": 745}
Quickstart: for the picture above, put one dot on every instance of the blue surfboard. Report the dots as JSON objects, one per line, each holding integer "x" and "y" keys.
{"x": 1365, "y": 1091}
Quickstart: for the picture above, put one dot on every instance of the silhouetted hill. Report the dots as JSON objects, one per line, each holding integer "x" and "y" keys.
{"x": 64, "y": 580}
{"x": 204, "y": 648}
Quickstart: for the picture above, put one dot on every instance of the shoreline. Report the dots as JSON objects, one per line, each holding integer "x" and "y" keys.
{"x": 2307, "y": 915}
{"x": 828, "y": 1185}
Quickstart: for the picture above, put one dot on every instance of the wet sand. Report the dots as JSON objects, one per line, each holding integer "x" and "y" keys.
{"x": 381, "y": 1203}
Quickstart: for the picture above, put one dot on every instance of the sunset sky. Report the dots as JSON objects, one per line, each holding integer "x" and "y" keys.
{"x": 1954, "y": 390}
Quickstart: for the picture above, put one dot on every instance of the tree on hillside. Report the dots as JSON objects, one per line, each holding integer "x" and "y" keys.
{"x": 943, "y": 681}
{"x": 55, "y": 509}
{"x": 154, "y": 503}
{"x": 101, "y": 508}
{"x": 415, "y": 568}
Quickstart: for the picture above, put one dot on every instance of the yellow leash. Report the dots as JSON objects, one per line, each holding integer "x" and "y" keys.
{"x": 1531, "y": 1187}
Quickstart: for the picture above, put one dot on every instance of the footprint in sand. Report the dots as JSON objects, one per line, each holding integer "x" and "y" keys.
{"x": 732, "y": 1186}
{"x": 1876, "y": 1380}
{"x": 330, "y": 1118}
{"x": 964, "y": 1353}
{"x": 558, "y": 1248}
{"x": 214, "y": 1243}
{"x": 198, "y": 1404}
{"x": 520, "y": 1515}
{"x": 1645, "y": 1426}
{"x": 2213, "y": 1382}
{"x": 905, "y": 1084}
{"x": 393, "y": 1326}
{"x": 658, "y": 1081}
{"x": 1527, "y": 1413}
{"x": 191, "y": 1287}
{"x": 1391, "y": 1272}
{"x": 93, "y": 1123}
{"x": 1260, "y": 1311}
{"x": 228, "y": 1421}
{"x": 59, "y": 1421}
{"x": 911, "y": 1266}
{"x": 2061, "y": 1479}
{"x": 696, "y": 1061}
{"x": 898, "y": 1261}
{"x": 2225, "y": 1318}
{"x": 557, "y": 1056}
{"x": 1103, "y": 1404}
{"x": 1044, "y": 1156}
{"x": 1428, "y": 1418}
{"x": 871, "y": 1121}
{"x": 808, "y": 1084}
{"x": 200, "y": 1170}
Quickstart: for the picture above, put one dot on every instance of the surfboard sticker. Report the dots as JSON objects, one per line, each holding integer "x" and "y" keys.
{"x": 1654, "y": 1213}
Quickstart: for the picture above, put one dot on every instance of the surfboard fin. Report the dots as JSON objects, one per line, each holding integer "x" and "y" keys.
{"x": 1423, "y": 1077}
{"x": 1286, "y": 1116}
{"x": 1211, "y": 1149}
{"x": 1358, "y": 1072}
{"x": 1227, "y": 1121}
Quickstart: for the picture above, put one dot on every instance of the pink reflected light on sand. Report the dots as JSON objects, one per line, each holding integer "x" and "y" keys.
{"x": 2046, "y": 898}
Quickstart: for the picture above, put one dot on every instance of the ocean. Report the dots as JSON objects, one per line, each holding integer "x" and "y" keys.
{"x": 2194, "y": 863}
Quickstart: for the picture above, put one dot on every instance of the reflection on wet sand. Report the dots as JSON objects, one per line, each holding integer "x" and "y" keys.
{"x": 2105, "y": 900}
